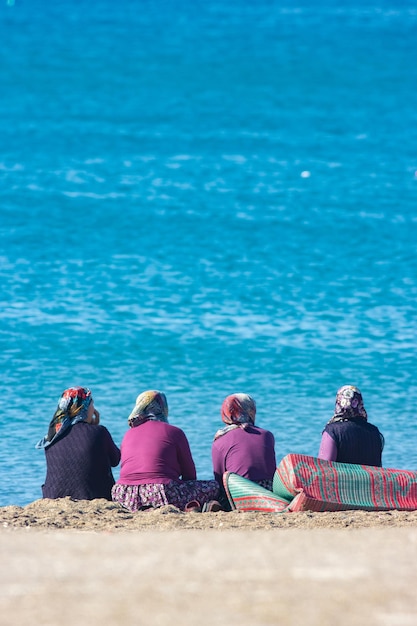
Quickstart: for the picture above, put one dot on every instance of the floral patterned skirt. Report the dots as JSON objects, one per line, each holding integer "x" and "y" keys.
{"x": 154, "y": 495}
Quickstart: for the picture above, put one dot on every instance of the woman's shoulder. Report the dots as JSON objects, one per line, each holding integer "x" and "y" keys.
{"x": 263, "y": 431}
{"x": 332, "y": 427}
{"x": 154, "y": 425}
{"x": 373, "y": 427}
{"x": 351, "y": 424}
{"x": 174, "y": 429}
{"x": 96, "y": 430}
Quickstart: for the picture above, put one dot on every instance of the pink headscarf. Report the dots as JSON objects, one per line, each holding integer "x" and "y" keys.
{"x": 238, "y": 411}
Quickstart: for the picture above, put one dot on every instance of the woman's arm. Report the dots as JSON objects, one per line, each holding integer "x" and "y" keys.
{"x": 187, "y": 465}
{"x": 113, "y": 451}
{"x": 328, "y": 448}
{"x": 272, "y": 450}
{"x": 218, "y": 462}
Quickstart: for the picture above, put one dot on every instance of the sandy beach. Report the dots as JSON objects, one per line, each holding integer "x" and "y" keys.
{"x": 101, "y": 515}
{"x": 92, "y": 562}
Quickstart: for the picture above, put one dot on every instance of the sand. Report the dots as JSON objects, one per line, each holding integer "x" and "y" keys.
{"x": 66, "y": 562}
{"x": 101, "y": 515}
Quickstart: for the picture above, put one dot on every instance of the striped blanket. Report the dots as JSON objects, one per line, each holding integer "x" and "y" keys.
{"x": 305, "y": 483}
{"x": 244, "y": 495}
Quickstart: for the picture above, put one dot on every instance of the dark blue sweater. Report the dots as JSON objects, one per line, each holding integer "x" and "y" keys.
{"x": 357, "y": 441}
{"x": 79, "y": 465}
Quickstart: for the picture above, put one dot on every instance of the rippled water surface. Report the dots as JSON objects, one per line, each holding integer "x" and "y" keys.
{"x": 206, "y": 198}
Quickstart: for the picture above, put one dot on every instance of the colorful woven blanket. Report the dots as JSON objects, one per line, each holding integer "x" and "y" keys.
{"x": 305, "y": 483}
{"x": 244, "y": 495}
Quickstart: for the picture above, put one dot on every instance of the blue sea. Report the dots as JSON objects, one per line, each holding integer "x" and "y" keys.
{"x": 206, "y": 198}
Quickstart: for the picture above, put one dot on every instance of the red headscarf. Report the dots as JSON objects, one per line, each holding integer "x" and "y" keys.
{"x": 238, "y": 411}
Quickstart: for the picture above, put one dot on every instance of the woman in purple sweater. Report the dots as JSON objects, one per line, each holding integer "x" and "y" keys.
{"x": 79, "y": 453}
{"x": 157, "y": 466}
{"x": 241, "y": 447}
{"x": 348, "y": 437}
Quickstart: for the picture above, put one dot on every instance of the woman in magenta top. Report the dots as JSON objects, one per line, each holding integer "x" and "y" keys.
{"x": 348, "y": 437}
{"x": 241, "y": 447}
{"x": 157, "y": 467}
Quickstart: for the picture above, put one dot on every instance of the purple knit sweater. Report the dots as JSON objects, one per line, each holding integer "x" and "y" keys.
{"x": 79, "y": 465}
{"x": 249, "y": 452}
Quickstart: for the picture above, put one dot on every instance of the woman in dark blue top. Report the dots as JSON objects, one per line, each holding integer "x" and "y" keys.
{"x": 348, "y": 437}
{"x": 79, "y": 453}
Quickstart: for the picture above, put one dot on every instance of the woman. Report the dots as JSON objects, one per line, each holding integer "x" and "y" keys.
{"x": 241, "y": 447}
{"x": 348, "y": 437}
{"x": 79, "y": 453}
{"x": 157, "y": 466}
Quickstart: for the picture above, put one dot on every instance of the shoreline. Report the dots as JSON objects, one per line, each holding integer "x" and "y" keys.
{"x": 102, "y": 515}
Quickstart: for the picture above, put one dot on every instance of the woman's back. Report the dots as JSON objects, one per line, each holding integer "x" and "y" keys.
{"x": 79, "y": 464}
{"x": 348, "y": 437}
{"x": 240, "y": 446}
{"x": 248, "y": 452}
{"x": 357, "y": 442}
{"x": 155, "y": 452}
{"x": 157, "y": 465}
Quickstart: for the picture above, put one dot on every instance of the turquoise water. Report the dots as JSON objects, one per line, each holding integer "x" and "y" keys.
{"x": 205, "y": 198}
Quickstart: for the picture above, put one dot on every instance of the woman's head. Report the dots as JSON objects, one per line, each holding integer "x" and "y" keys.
{"x": 75, "y": 403}
{"x": 238, "y": 408}
{"x": 150, "y": 405}
{"x": 349, "y": 404}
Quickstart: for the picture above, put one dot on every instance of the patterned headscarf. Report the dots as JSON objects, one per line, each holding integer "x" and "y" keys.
{"x": 150, "y": 405}
{"x": 349, "y": 405}
{"x": 72, "y": 408}
{"x": 238, "y": 411}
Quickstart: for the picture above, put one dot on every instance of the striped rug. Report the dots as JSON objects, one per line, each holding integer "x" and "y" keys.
{"x": 318, "y": 485}
{"x": 305, "y": 483}
{"x": 244, "y": 495}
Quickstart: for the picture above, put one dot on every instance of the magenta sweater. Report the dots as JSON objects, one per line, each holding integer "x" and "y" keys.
{"x": 155, "y": 452}
{"x": 249, "y": 452}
